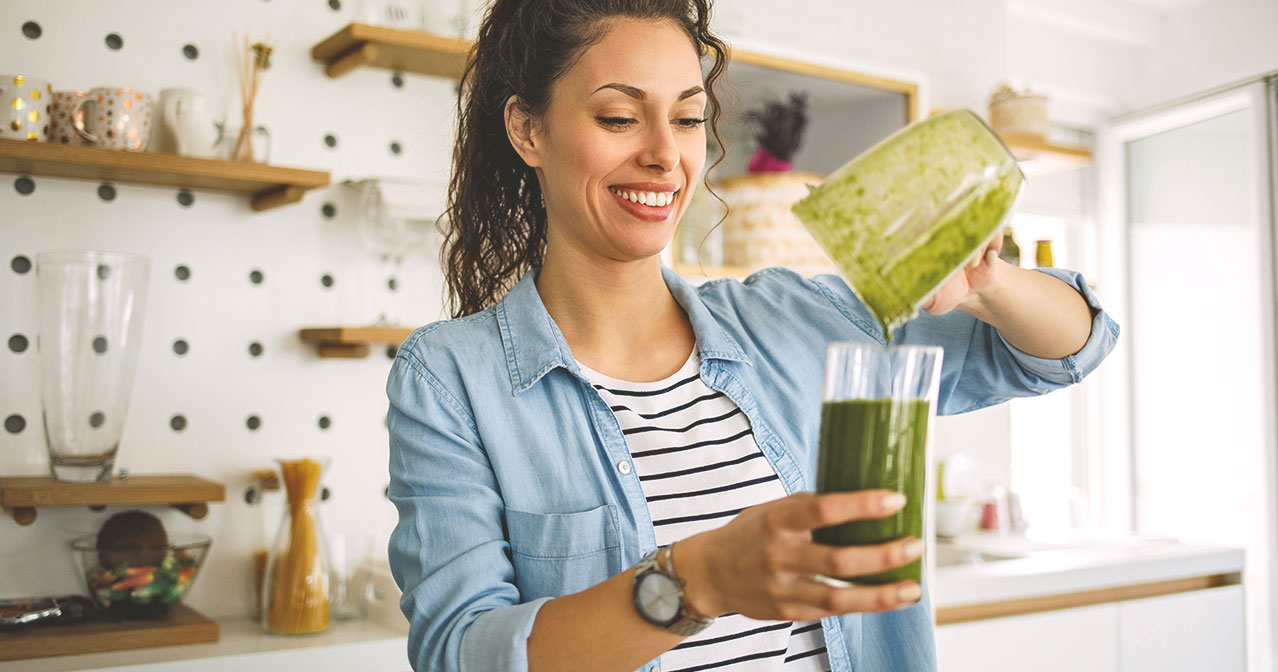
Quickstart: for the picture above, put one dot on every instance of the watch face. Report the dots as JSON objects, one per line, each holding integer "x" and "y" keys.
{"x": 658, "y": 597}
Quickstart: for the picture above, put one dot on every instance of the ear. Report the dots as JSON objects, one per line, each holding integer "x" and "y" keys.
{"x": 522, "y": 132}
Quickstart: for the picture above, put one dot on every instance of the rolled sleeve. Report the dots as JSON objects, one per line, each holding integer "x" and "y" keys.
{"x": 1075, "y": 367}
{"x": 448, "y": 552}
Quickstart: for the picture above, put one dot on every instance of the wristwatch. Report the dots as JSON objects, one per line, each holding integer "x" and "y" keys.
{"x": 659, "y": 596}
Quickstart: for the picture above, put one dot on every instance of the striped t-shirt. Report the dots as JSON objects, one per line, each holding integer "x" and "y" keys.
{"x": 699, "y": 465}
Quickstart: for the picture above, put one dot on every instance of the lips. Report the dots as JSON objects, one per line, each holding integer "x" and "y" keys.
{"x": 634, "y": 203}
{"x": 649, "y": 201}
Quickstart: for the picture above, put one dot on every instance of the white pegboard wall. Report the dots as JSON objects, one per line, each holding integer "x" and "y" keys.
{"x": 218, "y": 311}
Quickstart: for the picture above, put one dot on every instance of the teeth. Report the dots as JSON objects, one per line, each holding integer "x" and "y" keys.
{"x": 648, "y": 198}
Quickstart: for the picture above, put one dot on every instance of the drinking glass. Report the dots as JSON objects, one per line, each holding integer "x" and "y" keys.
{"x": 877, "y": 410}
{"x": 91, "y": 312}
{"x": 386, "y": 232}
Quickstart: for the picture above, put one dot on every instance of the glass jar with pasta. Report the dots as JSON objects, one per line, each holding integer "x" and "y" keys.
{"x": 297, "y": 574}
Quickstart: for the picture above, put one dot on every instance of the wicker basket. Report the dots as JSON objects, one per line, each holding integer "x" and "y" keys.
{"x": 760, "y": 231}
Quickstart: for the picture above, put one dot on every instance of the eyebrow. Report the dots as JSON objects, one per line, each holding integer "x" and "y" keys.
{"x": 638, "y": 94}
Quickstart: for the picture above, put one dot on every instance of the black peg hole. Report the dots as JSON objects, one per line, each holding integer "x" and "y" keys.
{"x": 15, "y": 423}
{"x": 20, "y": 264}
{"x": 250, "y": 495}
{"x": 335, "y": 5}
{"x": 100, "y": 345}
{"x": 24, "y": 185}
{"x": 177, "y": 422}
{"x": 114, "y": 42}
{"x": 185, "y": 198}
{"x": 106, "y": 192}
{"x": 325, "y": 422}
{"x": 181, "y": 347}
{"x": 256, "y": 277}
{"x": 104, "y": 271}
{"x": 330, "y": 140}
{"x": 325, "y": 494}
{"x": 32, "y": 30}
{"x": 386, "y": 492}
{"x": 396, "y": 148}
{"x": 18, "y": 343}
{"x": 255, "y": 349}
{"x": 391, "y": 351}
{"x": 97, "y": 419}
{"x": 191, "y": 52}
{"x": 327, "y": 280}
{"x": 329, "y": 210}
{"x": 182, "y": 273}
{"x": 253, "y": 423}
{"x": 97, "y": 508}
{"x": 392, "y": 284}
{"x": 397, "y": 80}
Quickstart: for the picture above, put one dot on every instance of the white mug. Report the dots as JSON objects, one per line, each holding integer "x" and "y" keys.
{"x": 26, "y": 103}
{"x": 187, "y": 126}
{"x": 115, "y": 117}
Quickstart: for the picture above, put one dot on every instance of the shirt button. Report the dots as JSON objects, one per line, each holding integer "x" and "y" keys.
{"x": 623, "y": 467}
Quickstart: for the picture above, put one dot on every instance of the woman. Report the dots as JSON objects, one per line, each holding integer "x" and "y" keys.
{"x": 550, "y": 445}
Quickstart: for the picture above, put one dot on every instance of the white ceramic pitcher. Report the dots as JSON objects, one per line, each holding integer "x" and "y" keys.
{"x": 189, "y": 127}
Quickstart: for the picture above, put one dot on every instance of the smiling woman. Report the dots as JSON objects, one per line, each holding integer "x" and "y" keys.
{"x": 587, "y": 411}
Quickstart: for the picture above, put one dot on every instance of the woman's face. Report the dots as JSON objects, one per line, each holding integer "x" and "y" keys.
{"x": 621, "y": 145}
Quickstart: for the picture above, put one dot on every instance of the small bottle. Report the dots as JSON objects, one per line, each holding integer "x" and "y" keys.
{"x": 1011, "y": 252}
{"x": 1043, "y": 254}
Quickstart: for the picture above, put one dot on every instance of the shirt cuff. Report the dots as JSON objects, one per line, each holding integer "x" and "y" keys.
{"x": 498, "y": 639}
{"x": 1075, "y": 367}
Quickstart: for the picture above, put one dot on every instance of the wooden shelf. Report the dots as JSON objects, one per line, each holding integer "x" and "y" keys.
{"x": 20, "y": 496}
{"x": 269, "y": 186}
{"x": 359, "y": 45}
{"x": 1038, "y": 156}
{"x": 184, "y": 625}
{"x": 352, "y": 342}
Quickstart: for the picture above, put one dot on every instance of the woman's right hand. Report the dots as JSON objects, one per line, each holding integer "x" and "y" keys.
{"x": 761, "y": 563}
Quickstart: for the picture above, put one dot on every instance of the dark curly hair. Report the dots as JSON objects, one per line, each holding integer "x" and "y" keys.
{"x": 495, "y": 224}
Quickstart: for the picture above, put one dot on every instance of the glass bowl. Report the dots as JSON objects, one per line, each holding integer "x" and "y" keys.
{"x": 144, "y": 582}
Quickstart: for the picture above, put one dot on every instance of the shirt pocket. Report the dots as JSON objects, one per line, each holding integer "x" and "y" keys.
{"x": 556, "y": 554}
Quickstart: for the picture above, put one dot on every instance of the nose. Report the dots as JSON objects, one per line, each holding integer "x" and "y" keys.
{"x": 659, "y": 148}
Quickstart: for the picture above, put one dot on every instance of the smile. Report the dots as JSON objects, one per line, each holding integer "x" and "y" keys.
{"x": 652, "y": 199}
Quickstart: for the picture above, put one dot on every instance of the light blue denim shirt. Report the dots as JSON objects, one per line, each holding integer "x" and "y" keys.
{"x": 512, "y": 477}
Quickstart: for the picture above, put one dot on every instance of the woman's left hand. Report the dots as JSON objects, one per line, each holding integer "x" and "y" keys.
{"x": 979, "y": 274}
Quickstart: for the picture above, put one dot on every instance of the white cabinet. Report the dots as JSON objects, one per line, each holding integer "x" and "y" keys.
{"x": 1068, "y": 640}
{"x": 1193, "y": 631}
{"x": 1199, "y": 630}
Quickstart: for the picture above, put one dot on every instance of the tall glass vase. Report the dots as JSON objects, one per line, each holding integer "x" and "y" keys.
{"x": 91, "y": 313}
{"x": 297, "y": 574}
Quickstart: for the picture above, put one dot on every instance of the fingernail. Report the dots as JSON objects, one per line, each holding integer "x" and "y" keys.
{"x": 913, "y": 549}
{"x": 910, "y": 593}
{"x": 893, "y": 501}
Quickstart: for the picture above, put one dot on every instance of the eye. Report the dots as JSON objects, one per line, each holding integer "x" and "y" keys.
{"x": 690, "y": 122}
{"x": 615, "y": 122}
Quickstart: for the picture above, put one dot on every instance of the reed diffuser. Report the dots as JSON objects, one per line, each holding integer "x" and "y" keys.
{"x": 251, "y": 61}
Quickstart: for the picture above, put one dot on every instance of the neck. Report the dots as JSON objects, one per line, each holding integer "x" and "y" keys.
{"x": 613, "y": 314}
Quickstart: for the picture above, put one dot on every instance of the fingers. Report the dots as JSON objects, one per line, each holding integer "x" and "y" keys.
{"x": 854, "y": 560}
{"x": 807, "y": 511}
{"x": 808, "y": 600}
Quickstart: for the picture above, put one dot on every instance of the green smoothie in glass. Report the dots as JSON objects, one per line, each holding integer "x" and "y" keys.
{"x": 868, "y": 444}
{"x": 877, "y": 405}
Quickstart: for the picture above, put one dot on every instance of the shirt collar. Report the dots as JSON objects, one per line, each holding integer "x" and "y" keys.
{"x": 534, "y": 345}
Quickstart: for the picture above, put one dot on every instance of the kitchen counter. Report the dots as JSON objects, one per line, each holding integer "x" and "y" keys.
{"x": 1041, "y": 576}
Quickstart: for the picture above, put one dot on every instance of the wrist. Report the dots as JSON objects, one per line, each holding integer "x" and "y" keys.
{"x": 692, "y": 568}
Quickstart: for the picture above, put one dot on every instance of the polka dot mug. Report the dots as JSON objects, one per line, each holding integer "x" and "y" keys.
{"x": 115, "y": 117}
{"x": 26, "y": 103}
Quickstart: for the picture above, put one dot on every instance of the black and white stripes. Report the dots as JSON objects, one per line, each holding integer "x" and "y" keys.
{"x": 699, "y": 465}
